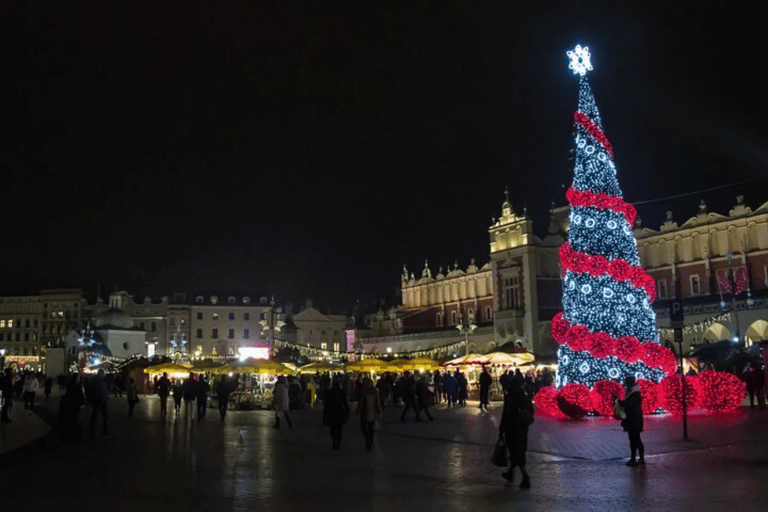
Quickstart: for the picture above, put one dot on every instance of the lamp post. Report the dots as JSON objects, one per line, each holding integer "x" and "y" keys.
{"x": 465, "y": 328}
{"x": 731, "y": 275}
{"x": 272, "y": 326}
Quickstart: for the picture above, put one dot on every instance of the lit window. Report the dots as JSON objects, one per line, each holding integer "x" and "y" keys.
{"x": 215, "y": 316}
{"x": 695, "y": 285}
{"x": 231, "y": 315}
{"x": 199, "y": 348}
{"x": 246, "y": 333}
{"x": 324, "y": 346}
{"x": 2, "y": 324}
{"x": 335, "y": 347}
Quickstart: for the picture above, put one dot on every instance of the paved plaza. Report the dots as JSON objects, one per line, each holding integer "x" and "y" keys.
{"x": 244, "y": 464}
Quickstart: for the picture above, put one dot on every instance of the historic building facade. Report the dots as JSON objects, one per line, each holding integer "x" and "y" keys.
{"x": 718, "y": 265}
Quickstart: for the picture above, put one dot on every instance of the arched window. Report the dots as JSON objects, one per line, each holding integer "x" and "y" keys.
{"x": 231, "y": 300}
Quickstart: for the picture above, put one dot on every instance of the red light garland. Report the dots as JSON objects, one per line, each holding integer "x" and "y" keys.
{"x": 649, "y": 391}
{"x": 720, "y": 391}
{"x": 574, "y": 400}
{"x": 673, "y": 393}
{"x": 602, "y": 396}
{"x": 594, "y": 130}
{"x": 546, "y": 402}
{"x": 596, "y": 266}
{"x": 602, "y": 202}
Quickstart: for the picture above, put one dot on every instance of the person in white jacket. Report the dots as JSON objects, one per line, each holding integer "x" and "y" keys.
{"x": 31, "y": 385}
{"x": 281, "y": 400}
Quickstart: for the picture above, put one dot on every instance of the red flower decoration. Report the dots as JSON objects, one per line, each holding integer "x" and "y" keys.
{"x": 672, "y": 391}
{"x": 574, "y": 400}
{"x": 720, "y": 391}
{"x": 649, "y": 391}
{"x": 602, "y": 396}
{"x": 668, "y": 360}
{"x": 560, "y": 327}
{"x": 619, "y": 269}
{"x": 629, "y": 349}
{"x": 654, "y": 354}
{"x": 598, "y": 265}
{"x": 546, "y": 401}
{"x": 601, "y": 345}
{"x": 578, "y": 338}
{"x": 579, "y": 261}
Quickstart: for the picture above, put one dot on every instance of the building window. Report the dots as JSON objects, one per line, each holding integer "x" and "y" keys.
{"x": 35, "y": 323}
{"x": 471, "y": 315}
{"x": 246, "y": 300}
{"x": 231, "y": 315}
{"x": 511, "y": 293}
{"x": 199, "y": 348}
{"x": 215, "y": 316}
{"x": 246, "y": 333}
{"x": 199, "y": 315}
{"x": 214, "y": 300}
{"x": 231, "y": 334}
{"x": 661, "y": 284}
{"x": 214, "y": 333}
{"x": 765, "y": 273}
{"x": 141, "y": 325}
{"x": 199, "y": 333}
{"x": 488, "y": 313}
{"x": 322, "y": 332}
{"x": 323, "y": 346}
{"x": 34, "y": 336}
{"x": 453, "y": 317}
{"x": 26, "y": 323}
{"x": 199, "y": 299}
{"x": 246, "y": 316}
{"x": 172, "y": 321}
{"x": 2, "y": 324}
{"x": 439, "y": 319}
{"x": 26, "y": 336}
{"x": 335, "y": 347}
{"x": 263, "y": 316}
{"x": 153, "y": 326}
{"x": 695, "y": 285}
{"x": 231, "y": 300}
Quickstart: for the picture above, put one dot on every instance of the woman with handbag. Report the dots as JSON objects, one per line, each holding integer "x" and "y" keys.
{"x": 516, "y": 417}
{"x": 633, "y": 419}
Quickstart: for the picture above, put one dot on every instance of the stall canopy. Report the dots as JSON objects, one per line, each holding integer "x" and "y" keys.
{"x": 468, "y": 360}
{"x": 321, "y": 366}
{"x": 517, "y": 359}
{"x": 173, "y": 370}
{"x": 420, "y": 363}
{"x": 262, "y": 366}
{"x": 372, "y": 365}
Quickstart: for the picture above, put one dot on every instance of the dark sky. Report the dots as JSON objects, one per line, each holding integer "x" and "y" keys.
{"x": 309, "y": 149}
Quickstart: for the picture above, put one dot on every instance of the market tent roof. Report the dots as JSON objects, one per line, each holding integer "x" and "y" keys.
{"x": 517, "y": 358}
{"x": 264, "y": 366}
{"x": 420, "y": 363}
{"x": 372, "y": 364}
{"x": 321, "y": 366}
{"x": 169, "y": 368}
{"x": 206, "y": 365}
{"x": 468, "y": 360}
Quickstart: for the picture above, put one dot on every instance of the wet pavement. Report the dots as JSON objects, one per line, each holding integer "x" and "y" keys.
{"x": 245, "y": 464}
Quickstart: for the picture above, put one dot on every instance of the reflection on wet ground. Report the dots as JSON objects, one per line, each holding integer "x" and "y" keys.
{"x": 245, "y": 464}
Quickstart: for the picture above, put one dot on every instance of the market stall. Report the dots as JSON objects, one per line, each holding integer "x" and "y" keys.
{"x": 255, "y": 381}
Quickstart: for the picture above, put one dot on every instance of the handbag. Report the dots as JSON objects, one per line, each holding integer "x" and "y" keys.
{"x": 499, "y": 457}
{"x": 618, "y": 411}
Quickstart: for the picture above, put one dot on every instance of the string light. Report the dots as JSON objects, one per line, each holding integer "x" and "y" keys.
{"x": 672, "y": 391}
{"x": 650, "y": 392}
{"x": 546, "y": 402}
{"x": 720, "y": 391}
{"x": 602, "y": 396}
{"x": 574, "y": 400}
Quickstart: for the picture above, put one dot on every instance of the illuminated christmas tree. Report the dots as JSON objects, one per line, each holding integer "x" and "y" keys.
{"x": 608, "y": 328}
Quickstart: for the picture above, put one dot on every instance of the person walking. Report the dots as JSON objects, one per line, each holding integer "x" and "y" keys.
{"x": 6, "y": 393}
{"x": 438, "y": 380}
{"x": 369, "y": 410}
{"x": 423, "y": 397}
{"x": 633, "y": 423}
{"x": 69, "y": 407}
{"x": 485, "y": 387}
{"x": 409, "y": 396}
{"x": 178, "y": 396}
{"x": 335, "y": 411}
{"x": 514, "y": 428}
{"x": 190, "y": 395}
{"x": 98, "y": 395}
{"x": 201, "y": 389}
{"x": 132, "y": 395}
{"x": 281, "y": 402}
{"x": 47, "y": 387}
{"x": 31, "y": 385}
{"x": 450, "y": 387}
{"x": 163, "y": 390}
{"x": 462, "y": 388}
{"x": 223, "y": 390}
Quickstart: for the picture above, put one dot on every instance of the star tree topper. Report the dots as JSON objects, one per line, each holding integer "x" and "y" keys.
{"x": 580, "y": 63}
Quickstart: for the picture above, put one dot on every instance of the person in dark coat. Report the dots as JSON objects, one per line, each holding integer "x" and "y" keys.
{"x": 202, "y": 388}
{"x": 163, "y": 390}
{"x": 98, "y": 395}
{"x": 47, "y": 387}
{"x": 409, "y": 396}
{"x": 335, "y": 411}
{"x": 516, "y": 433}
{"x": 633, "y": 423}
{"x": 485, "y": 387}
{"x": 223, "y": 390}
{"x": 438, "y": 380}
{"x": 424, "y": 397}
{"x": 69, "y": 407}
{"x": 462, "y": 388}
{"x": 450, "y": 387}
{"x": 178, "y": 395}
{"x": 6, "y": 393}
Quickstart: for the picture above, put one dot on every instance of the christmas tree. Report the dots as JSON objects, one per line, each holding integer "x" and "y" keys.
{"x": 607, "y": 330}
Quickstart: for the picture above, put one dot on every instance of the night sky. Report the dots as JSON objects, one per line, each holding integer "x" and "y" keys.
{"x": 310, "y": 149}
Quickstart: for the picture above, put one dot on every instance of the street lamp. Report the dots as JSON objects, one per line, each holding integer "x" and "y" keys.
{"x": 735, "y": 288}
{"x": 465, "y": 328}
